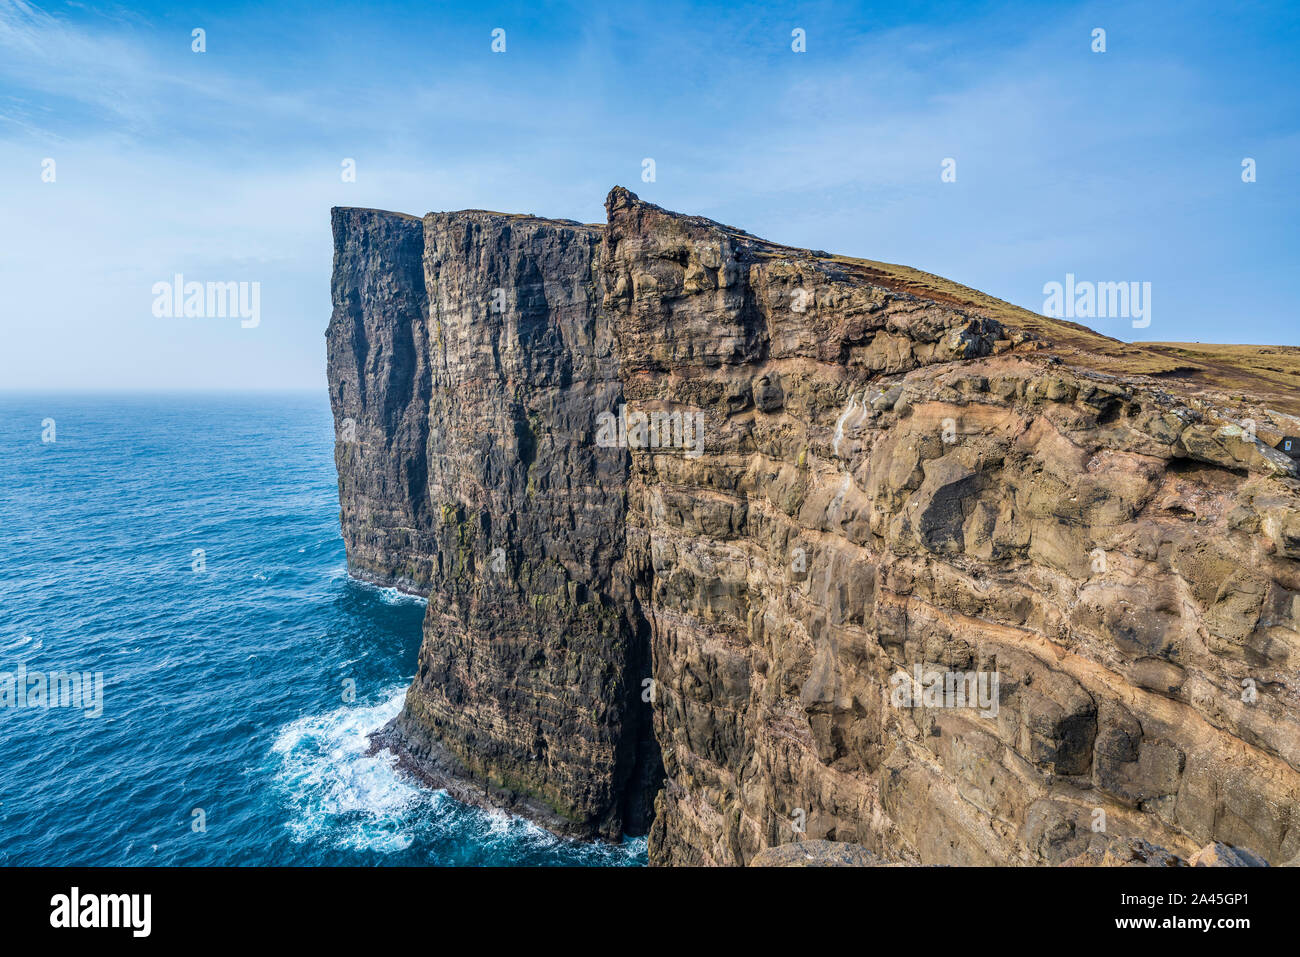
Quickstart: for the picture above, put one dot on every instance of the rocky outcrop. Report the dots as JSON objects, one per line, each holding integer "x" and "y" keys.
{"x": 475, "y": 338}
{"x": 380, "y": 389}
{"x": 896, "y": 565}
{"x": 816, "y": 853}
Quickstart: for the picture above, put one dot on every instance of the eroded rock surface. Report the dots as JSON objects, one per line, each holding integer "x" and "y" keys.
{"x": 893, "y": 479}
{"x": 487, "y": 495}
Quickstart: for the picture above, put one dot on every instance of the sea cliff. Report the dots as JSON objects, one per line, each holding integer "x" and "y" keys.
{"x": 713, "y": 529}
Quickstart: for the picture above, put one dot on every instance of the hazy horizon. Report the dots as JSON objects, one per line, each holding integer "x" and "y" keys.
{"x": 129, "y": 159}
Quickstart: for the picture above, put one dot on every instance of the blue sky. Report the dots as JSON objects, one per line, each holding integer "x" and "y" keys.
{"x": 222, "y": 165}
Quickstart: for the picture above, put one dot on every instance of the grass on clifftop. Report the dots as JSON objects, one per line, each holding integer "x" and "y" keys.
{"x": 1269, "y": 374}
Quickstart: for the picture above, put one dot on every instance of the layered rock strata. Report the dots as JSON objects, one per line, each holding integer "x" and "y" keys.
{"x": 896, "y": 565}
{"x": 469, "y": 355}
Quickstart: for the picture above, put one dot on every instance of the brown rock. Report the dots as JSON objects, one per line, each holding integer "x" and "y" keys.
{"x": 893, "y": 475}
{"x": 816, "y": 854}
{"x": 1219, "y": 854}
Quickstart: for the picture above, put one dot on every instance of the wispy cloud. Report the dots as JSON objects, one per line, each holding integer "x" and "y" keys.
{"x": 1122, "y": 166}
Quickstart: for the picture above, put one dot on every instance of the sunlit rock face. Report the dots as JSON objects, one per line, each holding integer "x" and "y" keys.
{"x": 804, "y": 548}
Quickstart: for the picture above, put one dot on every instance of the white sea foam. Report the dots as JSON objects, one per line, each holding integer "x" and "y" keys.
{"x": 388, "y": 595}
{"x": 336, "y": 792}
{"x": 339, "y": 796}
{"x": 24, "y": 644}
{"x": 391, "y": 596}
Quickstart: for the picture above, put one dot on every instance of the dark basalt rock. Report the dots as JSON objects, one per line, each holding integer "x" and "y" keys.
{"x": 472, "y": 354}
{"x": 895, "y": 475}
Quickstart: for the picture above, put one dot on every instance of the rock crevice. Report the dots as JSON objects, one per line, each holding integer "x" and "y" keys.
{"x": 702, "y": 518}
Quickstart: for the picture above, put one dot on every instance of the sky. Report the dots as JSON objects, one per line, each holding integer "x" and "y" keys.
{"x": 222, "y": 165}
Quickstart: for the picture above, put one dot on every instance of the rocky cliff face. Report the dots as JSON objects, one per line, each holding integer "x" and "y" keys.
{"x": 895, "y": 564}
{"x": 471, "y": 353}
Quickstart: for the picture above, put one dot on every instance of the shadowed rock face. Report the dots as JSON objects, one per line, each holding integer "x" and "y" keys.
{"x": 894, "y": 485}
{"x": 380, "y": 389}
{"x": 483, "y": 362}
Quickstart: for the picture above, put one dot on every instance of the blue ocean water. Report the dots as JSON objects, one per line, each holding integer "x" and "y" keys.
{"x": 188, "y": 548}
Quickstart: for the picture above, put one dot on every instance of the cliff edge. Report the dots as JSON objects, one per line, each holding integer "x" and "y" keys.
{"x": 751, "y": 545}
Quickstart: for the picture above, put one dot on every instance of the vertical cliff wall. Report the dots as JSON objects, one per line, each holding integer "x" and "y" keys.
{"x": 477, "y": 339}
{"x": 884, "y": 479}
{"x": 380, "y": 389}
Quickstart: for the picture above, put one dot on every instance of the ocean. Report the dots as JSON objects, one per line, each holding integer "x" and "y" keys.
{"x": 186, "y": 550}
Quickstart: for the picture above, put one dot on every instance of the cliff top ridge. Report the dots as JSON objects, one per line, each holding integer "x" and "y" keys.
{"x": 1270, "y": 374}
